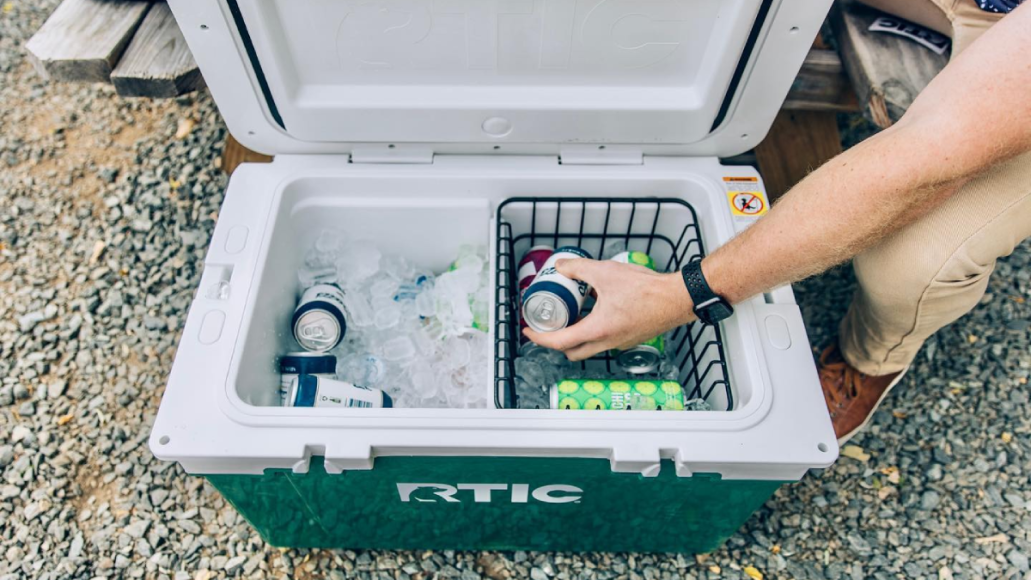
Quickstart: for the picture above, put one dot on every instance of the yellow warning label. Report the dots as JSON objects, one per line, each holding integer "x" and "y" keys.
{"x": 747, "y": 203}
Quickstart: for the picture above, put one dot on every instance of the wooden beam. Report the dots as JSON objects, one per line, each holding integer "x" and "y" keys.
{"x": 887, "y": 71}
{"x": 157, "y": 63}
{"x": 821, "y": 85}
{"x": 83, "y": 39}
{"x": 234, "y": 154}
{"x": 798, "y": 142}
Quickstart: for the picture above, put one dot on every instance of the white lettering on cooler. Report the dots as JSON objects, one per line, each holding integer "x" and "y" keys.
{"x": 484, "y": 492}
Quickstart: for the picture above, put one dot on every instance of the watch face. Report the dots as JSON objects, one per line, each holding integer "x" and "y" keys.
{"x": 715, "y": 312}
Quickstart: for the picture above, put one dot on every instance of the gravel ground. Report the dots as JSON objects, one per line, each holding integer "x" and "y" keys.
{"x": 106, "y": 206}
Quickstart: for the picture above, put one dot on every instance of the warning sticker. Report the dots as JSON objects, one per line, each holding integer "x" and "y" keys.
{"x": 747, "y": 203}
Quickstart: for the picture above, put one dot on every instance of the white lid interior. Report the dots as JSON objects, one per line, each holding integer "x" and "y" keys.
{"x": 465, "y": 74}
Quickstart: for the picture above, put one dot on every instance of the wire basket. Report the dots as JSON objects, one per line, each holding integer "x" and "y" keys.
{"x": 667, "y": 229}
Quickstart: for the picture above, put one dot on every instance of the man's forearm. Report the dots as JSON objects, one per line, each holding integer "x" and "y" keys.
{"x": 836, "y": 212}
{"x": 976, "y": 113}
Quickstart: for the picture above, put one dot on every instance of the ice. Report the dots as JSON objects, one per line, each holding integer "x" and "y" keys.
{"x": 530, "y": 396}
{"x": 388, "y": 316}
{"x": 329, "y": 242}
{"x": 361, "y": 369}
{"x": 358, "y": 261}
{"x": 612, "y": 248}
{"x": 359, "y": 313}
{"x": 219, "y": 290}
{"x": 425, "y": 304}
{"x": 399, "y": 349}
{"x": 697, "y": 405}
{"x": 421, "y": 338}
{"x": 309, "y": 277}
{"x": 530, "y": 371}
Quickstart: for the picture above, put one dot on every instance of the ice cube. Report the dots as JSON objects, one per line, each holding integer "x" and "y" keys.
{"x": 384, "y": 286}
{"x": 612, "y": 248}
{"x": 669, "y": 371}
{"x": 531, "y": 396}
{"x": 359, "y": 313}
{"x": 697, "y": 405}
{"x": 397, "y": 267}
{"x": 424, "y": 303}
{"x": 398, "y": 349}
{"x": 309, "y": 277}
{"x": 456, "y": 353}
{"x": 219, "y": 290}
{"x": 329, "y": 241}
{"x": 530, "y": 371}
{"x": 388, "y": 316}
{"x": 362, "y": 369}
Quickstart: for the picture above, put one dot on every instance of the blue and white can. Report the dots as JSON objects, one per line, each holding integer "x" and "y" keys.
{"x": 553, "y": 301}
{"x": 315, "y": 391}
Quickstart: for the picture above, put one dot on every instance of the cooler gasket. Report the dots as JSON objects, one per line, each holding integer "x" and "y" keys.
{"x": 697, "y": 348}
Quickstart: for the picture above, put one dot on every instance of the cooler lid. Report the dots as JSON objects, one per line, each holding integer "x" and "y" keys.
{"x": 683, "y": 77}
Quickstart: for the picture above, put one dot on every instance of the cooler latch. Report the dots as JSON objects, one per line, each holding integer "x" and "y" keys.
{"x": 392, "y": 154}
{"x": 600, "y": 155}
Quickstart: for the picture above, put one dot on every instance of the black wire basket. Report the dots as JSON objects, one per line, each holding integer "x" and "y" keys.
{"x": 666, "y": 229}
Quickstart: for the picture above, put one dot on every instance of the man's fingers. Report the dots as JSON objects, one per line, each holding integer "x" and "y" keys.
{"x": 570, "y": 337}
{"x": 585, "y": 351}
{"x": 579, "y": 269}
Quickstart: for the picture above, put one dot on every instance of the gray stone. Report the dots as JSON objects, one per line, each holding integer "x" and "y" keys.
{"x": 6, "y": 455}
{"x": 930, "y": 500}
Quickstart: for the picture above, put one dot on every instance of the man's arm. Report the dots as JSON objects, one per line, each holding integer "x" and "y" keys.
{"x": 975, "y": 114}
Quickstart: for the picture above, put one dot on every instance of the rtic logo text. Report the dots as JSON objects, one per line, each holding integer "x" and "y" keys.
{"x": 485, "y": 493}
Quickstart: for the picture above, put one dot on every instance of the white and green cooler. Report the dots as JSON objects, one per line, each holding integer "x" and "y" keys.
{"x": 426, "y": 125}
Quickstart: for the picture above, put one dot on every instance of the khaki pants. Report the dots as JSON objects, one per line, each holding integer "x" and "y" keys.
{"x": 935, "y": 270}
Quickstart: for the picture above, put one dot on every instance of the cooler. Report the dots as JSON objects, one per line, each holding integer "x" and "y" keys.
{"x": 424, "y": 125}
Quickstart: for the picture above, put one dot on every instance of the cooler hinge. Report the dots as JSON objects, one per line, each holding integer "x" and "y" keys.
{"x": 600, "y": 155}
{"x": 392, "y": 154}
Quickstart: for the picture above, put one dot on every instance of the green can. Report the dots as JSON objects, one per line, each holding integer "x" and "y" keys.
{"x": 617, "y": 395}
{"x": 647, "y": 356}
{"x": 639, "y": 258}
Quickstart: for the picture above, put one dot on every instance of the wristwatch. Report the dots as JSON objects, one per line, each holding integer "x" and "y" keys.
{"x": 709, "y": 307}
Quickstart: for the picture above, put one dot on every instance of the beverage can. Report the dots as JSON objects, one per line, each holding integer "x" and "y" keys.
{"x": 293, "y": 364}
{"x": 531, "y": 263}
{"x": 639, "y": 258}
{"x": 617, "y": 395}
{"x": 553, "y": 301}
{"x": 315, "y": 391}
{"x": 318, "y": 322}
{"x": 647, "y": 356}
{"x": 643, "y": 358}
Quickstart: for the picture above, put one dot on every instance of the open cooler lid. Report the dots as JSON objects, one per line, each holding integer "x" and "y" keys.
{"x": 671, "y": 77}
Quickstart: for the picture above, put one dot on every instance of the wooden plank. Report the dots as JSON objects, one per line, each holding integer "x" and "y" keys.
{"x": 83, "y": 39}
{"x": 887, "y": 71}
{"x": 157, "y": 63}
{"x": 821, "y": 85}
{"x": 234, "y": 154}
{"x": 798, "y": 142}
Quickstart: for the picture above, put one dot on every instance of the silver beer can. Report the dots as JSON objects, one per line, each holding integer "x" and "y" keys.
{"x": 318, "y": 322}
{"x": 553, "y": 301}
{"x": 314, "y": 391}
{"x": 294, "y": 364}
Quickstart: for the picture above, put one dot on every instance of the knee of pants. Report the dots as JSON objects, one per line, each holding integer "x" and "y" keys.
{"x": 894, "y": 277}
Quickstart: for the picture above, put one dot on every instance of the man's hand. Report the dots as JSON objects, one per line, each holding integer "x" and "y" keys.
{"x": 634, "y": 305}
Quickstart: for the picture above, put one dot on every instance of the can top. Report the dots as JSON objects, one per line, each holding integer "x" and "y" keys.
{"x": 545, "y": 311}
{"x": 317, "y": 330}
{"x": 639, "y": 359}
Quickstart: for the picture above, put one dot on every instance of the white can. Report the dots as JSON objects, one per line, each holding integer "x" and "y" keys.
{"x": 553, "y": 301}
{"x": 318, "y": 322}
{"x": 315, "y": 391}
